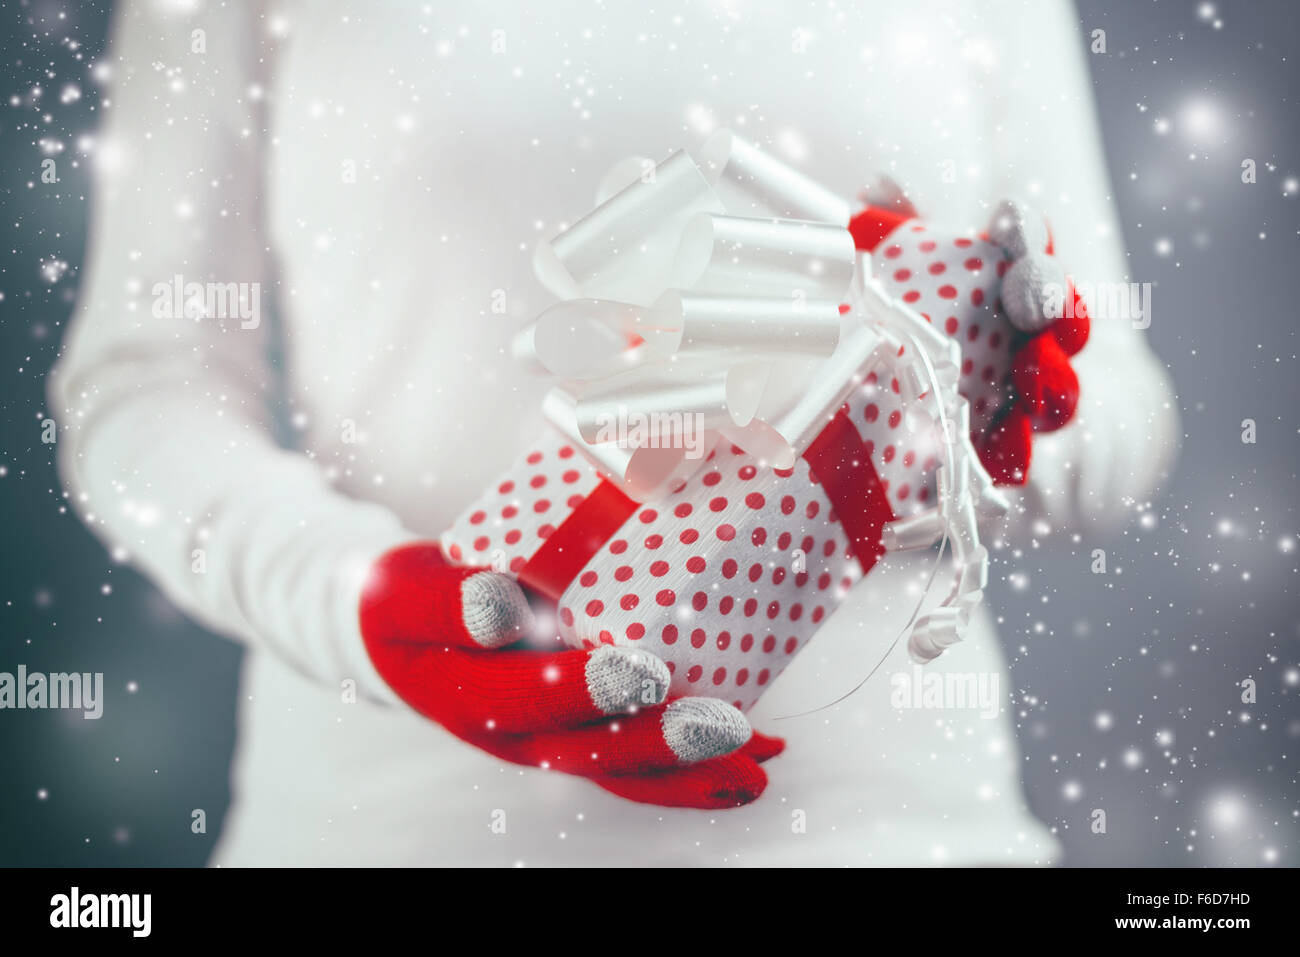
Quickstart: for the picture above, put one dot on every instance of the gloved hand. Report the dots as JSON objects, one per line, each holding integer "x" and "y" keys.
{"x": 1005, "y": 298}
{"x": 436, "y": 634}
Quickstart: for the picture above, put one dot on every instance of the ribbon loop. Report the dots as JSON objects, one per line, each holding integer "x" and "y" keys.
{"x": 764, "y": 257}
{"x": 754, "y": 183}
{"x": 624, "y": 249}
{"x": 726, "y": 327}
{"x": 578, "y": 338}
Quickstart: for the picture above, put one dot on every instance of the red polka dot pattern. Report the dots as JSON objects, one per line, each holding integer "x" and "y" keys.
{"x": 505, "y": 526}
{"x": 767, "y": 557}
{"x": 730, "y": 575}
{"x": 953, "y": 281}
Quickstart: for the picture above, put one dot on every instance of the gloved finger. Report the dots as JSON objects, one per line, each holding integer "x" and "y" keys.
{"x": 1019, "y": 229}
{"x": 726, "y": 782}
{"x": 1071, "y": 330}
{"x": 517, "y": 692}
{"x": 683, "y": 732}
{"x": 1034, "y": 291}
{"x": 760, "y": 747}
{"x": 1045, "y": 382}
{"x": 413, "y": 594}
{"x": 1034, "y": 287}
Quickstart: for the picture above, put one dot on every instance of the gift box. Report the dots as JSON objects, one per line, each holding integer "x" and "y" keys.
{"x": 834, "y": 428}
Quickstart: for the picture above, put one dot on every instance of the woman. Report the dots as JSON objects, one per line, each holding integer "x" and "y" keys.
{"x": 381, "y": 172}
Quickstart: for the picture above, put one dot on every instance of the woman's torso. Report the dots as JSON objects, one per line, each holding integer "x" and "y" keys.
{"x": 421, "y": 152}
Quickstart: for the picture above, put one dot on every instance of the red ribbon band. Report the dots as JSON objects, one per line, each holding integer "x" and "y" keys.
{"x": 839, "y": 460}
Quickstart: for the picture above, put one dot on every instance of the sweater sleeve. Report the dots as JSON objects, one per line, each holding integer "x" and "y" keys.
{"x": 1123, "y": 440}
{"x": 165, "y": 390}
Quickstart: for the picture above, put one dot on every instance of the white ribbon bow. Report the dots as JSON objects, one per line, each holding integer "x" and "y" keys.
{"x": 698, "y": 294}
{"x": 709, "y": 291}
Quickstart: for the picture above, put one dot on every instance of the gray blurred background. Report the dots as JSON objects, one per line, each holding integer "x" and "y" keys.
{"x": 1127, "y": 685}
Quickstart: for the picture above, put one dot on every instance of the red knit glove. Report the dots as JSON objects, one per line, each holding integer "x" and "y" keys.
{"x": 995, "y": 294}
{"x": 435, "y": 633}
